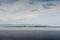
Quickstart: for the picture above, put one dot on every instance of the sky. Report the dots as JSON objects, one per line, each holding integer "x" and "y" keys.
{"x": 42, "y": 12}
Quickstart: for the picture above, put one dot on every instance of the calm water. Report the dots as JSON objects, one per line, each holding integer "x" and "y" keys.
{"x": 29, "y": 33}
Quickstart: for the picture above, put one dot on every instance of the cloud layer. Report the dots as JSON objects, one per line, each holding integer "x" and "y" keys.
{"x": 29, "y": 11}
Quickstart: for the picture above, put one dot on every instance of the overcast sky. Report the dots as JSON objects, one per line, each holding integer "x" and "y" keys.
{"x": 43, "y": 12}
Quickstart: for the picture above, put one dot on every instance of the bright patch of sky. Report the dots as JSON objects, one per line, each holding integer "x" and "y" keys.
{"x": 43, "y": 12}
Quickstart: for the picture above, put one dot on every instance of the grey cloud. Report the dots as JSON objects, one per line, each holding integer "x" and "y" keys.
{"x": 48, "y": 5}
{"x": 37, "y": 1}
{"x": 26, "y": 7}
{"x": 35, "y": 10}
{"x": 8, "y": 1}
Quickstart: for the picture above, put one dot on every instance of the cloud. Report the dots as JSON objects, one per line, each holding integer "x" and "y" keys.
{"x": 24, "y": 16}
{"x": 48, "y": 5}
{"x": 11, "y": 7}
{"x": 37, "y": 1}
{"x": 12, "y": 11}
{"x": 21, "y": 5}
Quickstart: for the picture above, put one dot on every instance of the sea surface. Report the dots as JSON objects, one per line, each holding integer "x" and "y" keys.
{"x": 29, "y": 33}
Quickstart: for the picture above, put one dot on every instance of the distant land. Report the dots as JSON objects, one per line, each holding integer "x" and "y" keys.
{"x": 19, "y": 24}
{"x": 22, "y": 25}
{"x": 27, "y": 25}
